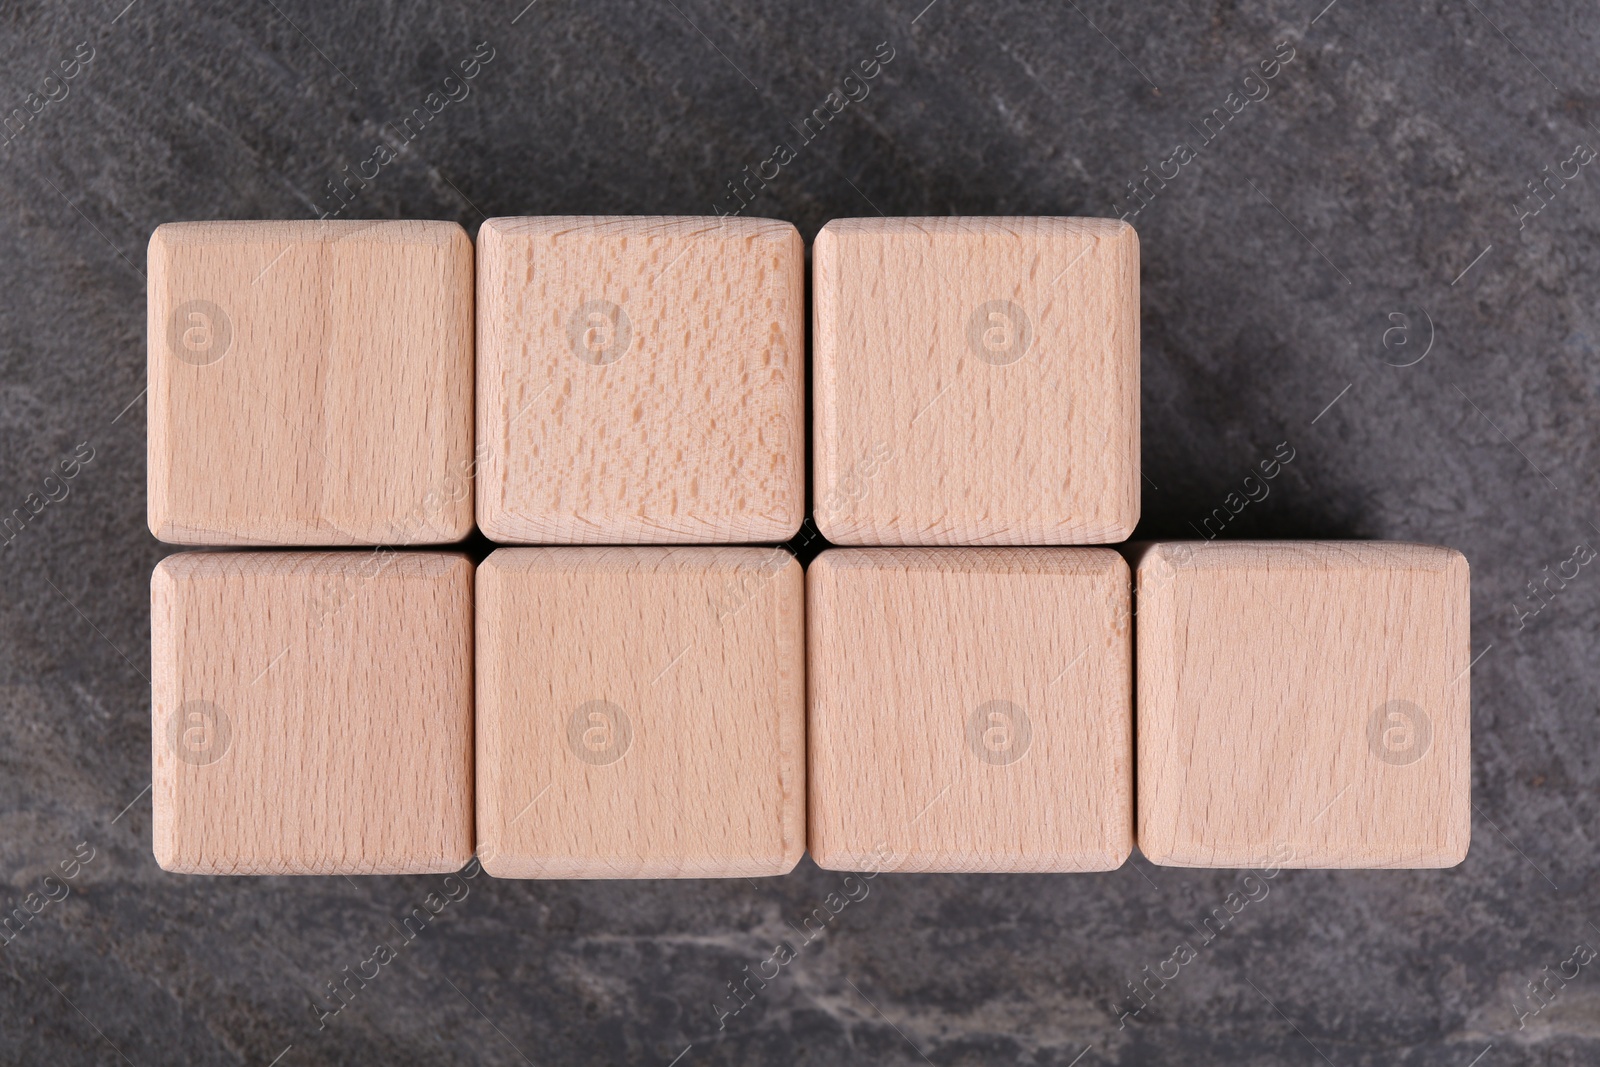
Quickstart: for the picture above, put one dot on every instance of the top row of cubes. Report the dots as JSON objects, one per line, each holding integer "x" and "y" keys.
{"x": 642, "y": 380}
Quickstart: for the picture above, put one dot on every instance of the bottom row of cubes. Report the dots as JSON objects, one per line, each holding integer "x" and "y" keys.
{"x": 714, "y": 712}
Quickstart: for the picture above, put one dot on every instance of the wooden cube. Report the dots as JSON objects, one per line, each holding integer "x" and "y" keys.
{"x": 310, "y": 383}
{"x": 1303, "y": 702}
{"x": 971, "y": 709}
{"x": 641, "y": 380}
{"x": 976, "y": 381}
{"x": 640, "y": 712}
{"x": 312, "y": 712}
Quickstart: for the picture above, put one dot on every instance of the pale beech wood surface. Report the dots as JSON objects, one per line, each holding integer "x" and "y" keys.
{"x": 310, "y": 383}
{"x": 312, "y": 712}
{"x": 976, "y": 381}
{"x": 641, "y": 380}
{"x": 640, "y": 712}
{"x": 1303, "y": 699}
{"x": 920, "y": 660}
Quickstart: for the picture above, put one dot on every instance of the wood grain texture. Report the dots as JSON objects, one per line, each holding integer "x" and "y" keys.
{"x": 641, "y": 380}
{"x": 310, "y": 383}
{"x": 1306, "y": 702}
{"x": 312, "y": 712}
{"x": 641, "y": 712}
{"x": 971, "y": 709}
{"x": 976, "y": 381}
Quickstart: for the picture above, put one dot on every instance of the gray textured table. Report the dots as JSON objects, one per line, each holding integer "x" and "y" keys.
{"x": 1319, "y": 230}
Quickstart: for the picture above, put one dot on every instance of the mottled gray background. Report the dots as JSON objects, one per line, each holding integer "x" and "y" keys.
{"x": 1383, "y": 175}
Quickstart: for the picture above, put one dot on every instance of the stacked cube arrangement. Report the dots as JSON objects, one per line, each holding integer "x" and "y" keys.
{"x": 639, "y": 689}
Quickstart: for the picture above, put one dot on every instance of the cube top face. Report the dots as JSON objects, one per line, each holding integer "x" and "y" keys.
{"x": 310, "y": 383}
{"x": 971, "y": 709}
{"x": 1305, "y": 703}
{"x": 641, "y": 380}
{"x": 312, "y": 712}
{"x": 976, "y": 381}
{"x": 640, "y": 712}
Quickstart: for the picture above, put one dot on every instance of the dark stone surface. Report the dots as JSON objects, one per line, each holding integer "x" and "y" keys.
{"x": 1390, "y": 153}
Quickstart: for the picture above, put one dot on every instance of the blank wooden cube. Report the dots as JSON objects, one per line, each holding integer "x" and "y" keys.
{"x": 641, "y": 380}
{"x": 310, "y": 383}
{"x": 640, "y": 712}
{"x": 976, "y": 381}
{"x": 1304, "y": 702}
{"x": 971, "y": 709}
{"x": 312, "y": 712}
